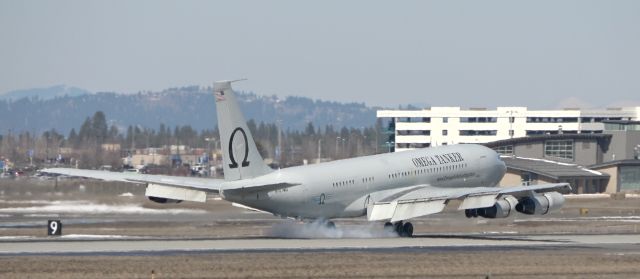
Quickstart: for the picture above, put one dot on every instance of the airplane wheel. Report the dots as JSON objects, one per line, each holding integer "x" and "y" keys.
{"x": 471, "y": 213}
{"x": 398, "y": 228}
{"x": 330, "y": 225}
{"x": 388, "y": 226}
{"x": 467, "y": 212}
{"x": 407, "y": 229}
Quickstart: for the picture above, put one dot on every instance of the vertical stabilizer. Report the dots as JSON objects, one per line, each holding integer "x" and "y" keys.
{"x": 241, "y": 159}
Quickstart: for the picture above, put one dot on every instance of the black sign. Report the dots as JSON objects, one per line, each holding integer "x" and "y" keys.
{"x": 54, "y": 227}
{"x": 234, "y": 163}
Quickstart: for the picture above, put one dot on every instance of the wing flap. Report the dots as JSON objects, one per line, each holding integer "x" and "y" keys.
{"x": 175, "y": 193}
{"x": 410, "y": 210}
{"x": 478, "y": 201}
{"x": 210, "y": 185}
{"x": 381, "y": 211}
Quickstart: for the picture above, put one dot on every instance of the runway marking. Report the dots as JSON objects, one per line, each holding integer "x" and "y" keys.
{"x": 267, "y": 244}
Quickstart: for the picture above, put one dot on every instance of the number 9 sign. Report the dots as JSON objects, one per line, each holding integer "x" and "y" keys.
{"x": 54, "y": 227}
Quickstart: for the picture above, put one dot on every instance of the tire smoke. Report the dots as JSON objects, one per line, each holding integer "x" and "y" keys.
{"x": 319, "y": 229}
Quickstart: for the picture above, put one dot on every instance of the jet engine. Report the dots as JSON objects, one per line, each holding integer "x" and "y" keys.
{"x": 501, "y": 209}
{"x": 163, "y": 200}
{"x": 540, "y": 204}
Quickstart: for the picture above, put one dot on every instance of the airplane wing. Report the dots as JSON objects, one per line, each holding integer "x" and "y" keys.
{"x": 425, "y": 200}
{"x": 197, "y": 183}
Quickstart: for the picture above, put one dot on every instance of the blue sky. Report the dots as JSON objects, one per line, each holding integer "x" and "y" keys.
{"x": 541, "y": 54}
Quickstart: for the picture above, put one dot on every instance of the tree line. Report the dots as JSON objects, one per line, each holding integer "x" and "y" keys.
{"x": 285, "y": 147}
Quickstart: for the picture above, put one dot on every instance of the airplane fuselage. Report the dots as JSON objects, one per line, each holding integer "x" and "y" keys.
{"x": 344, "y": 188}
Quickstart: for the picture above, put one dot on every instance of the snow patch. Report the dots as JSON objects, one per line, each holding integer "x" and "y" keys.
{"x": 15, "y": 237}
{"x": 625, "y": 219}
{"x": 42, "y": 215}
{"x": 92, "y": 208}
{"x": 93, "y": 236}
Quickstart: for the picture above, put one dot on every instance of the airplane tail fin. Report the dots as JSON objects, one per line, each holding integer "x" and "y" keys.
{"x": 240, "y": 159}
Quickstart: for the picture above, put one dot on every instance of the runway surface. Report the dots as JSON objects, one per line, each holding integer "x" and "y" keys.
{"x": 136, "y": 246}
{"x": 113, "y": 230}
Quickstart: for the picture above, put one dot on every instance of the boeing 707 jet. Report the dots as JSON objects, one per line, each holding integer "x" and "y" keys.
{"x": 391, "y": 188}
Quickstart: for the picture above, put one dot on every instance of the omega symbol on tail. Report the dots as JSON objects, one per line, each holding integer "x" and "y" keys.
{"x": 234, "y": 163}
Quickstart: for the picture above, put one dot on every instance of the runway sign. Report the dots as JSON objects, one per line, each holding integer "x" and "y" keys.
{"x": 54, "y": 227}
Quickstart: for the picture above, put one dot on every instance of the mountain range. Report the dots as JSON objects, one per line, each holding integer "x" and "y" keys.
{"x": 63, "y": 108}
{"x": 45, "y": 93}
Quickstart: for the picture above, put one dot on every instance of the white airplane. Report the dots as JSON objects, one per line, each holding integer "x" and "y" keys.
{"x": 392, "y": 187}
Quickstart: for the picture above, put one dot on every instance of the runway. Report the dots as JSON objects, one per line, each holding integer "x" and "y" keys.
{"x": 130, "y": 237}
{"x": 38, "y": 246}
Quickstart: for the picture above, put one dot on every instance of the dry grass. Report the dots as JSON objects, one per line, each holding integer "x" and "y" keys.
{"x": 498, "y": 264}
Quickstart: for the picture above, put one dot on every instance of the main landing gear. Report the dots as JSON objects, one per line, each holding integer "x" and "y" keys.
{"x": 402, "y": 229}
{"x": 329, "y": 225}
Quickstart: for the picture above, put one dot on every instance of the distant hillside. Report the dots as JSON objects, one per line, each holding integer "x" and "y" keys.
{"x": 176, "y": 106}
{"x": 45, "y": 93}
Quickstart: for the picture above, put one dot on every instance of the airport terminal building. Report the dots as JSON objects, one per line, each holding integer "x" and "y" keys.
{"x": 435, "y": 126}
{"x": 595, "y": 151}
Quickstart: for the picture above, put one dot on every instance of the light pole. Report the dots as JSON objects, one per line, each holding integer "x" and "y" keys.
{"x": 337, "y": 151}
{"x": 319, "y": 150}
{"x": 389, "y": 145}
{"x": 343, "y": 146}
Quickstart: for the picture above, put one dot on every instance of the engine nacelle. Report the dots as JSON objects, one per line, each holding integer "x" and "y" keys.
{"x": 163, "y": 200}
{"x": 540, "y": 204}
{"x": 501, "y": 209}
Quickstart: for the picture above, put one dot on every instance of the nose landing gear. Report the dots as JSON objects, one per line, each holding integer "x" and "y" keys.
{"x": 402, "y": 229}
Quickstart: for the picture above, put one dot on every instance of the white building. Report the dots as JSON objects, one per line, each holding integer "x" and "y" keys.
{"x": 452, "y": 125}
